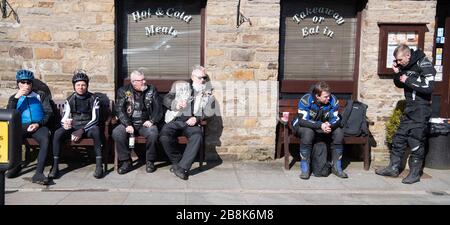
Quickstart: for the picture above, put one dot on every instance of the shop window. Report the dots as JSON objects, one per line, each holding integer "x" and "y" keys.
{"x": 391, "y": 36}
{"x": 318, "y": 40}
{"x": 161, "y": 38}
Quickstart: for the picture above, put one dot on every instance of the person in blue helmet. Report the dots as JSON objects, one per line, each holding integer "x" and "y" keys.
{"x": 318, "y": 119}
{"x": 80, "y": 119}
{"x": 35, "y": 109}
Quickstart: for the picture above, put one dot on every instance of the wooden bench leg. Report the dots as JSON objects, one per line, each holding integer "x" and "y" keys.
{"x": 105, "y": 154}
{"x": 286, "y": 149}
{"x": 27, "y": 154}
{"x": 202, "y": 152}
{"x": 116, "y": 158}
{"x": 278, "y": 149}
{"x": 366, "y": 156}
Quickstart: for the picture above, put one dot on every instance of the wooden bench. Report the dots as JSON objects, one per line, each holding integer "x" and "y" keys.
{"x": 286, "y": 137}
{"x": 163, "y": 87}
{"x": 182, "y": 140}
{"x": 84, "y": 142}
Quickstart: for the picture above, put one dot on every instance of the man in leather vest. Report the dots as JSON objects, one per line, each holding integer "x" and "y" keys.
{"x": 36, "y": 111}
{"x": 80, "y": 119}
{"x": 139, "y": 110}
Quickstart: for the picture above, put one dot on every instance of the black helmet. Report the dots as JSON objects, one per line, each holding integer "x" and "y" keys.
{"x": 80, "y": 75}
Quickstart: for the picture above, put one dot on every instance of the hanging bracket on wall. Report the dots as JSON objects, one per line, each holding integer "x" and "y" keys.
{"x": 240, "y": 17}
{"x": 5, "y": 6}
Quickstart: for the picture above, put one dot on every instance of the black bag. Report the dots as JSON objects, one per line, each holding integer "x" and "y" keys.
{"x": 319, "y": 161}
{"x": 354, "y": 119}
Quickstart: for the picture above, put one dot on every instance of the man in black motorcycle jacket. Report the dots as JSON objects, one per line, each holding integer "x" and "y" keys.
{"x": 415, "y": 74}
{"x": 139, "y": 110}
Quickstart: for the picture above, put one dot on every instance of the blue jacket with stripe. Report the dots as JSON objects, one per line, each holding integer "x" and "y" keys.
{"x": 312, "y": 115}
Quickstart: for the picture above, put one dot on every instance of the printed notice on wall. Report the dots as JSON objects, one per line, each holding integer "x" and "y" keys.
{"x": 440, "y": 32}
{"x": 438, "y": 77}
{"x": 395, "y": 39}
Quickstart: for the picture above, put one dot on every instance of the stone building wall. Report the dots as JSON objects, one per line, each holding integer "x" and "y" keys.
{"x": 53, "y": 39}
{"x": 380, "y": 94}
{"x": 238, "y": 57}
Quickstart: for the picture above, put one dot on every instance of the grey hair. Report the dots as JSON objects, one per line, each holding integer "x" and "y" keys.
{"x": 197, "y": 67}
{"x": 136, "y": 73}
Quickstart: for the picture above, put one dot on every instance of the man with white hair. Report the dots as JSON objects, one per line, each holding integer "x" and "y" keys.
{"x": 188, "y": 104}
{"x": 139, "y": 110}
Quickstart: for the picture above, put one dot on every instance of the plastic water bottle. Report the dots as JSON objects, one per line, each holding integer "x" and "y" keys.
{"x": 131, "y": 141}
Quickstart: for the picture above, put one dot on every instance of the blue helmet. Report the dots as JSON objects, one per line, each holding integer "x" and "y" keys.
{"x": 24, "y": 75}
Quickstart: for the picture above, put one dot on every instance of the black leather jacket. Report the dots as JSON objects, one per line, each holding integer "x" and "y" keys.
{"x": 152, "y": 108}
{"x": 419, "y": 84}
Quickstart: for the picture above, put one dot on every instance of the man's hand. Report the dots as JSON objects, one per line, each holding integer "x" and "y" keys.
{"x": 147, "y": 124}
{"x": 33, "y": 127}
{"x": 129, "y": 129}
{"x": 181, "y": 105}
{"x": 20, "y": 93}
{"x": 395, "y": 67}
{"x": 191, "y": 121}
{"x": 326, "y": 127}
{"x": 403, "y": 78}
{"x": 76, "y": 135}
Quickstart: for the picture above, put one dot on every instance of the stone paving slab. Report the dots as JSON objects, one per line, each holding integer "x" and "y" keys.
{"x": 229, "y": 182}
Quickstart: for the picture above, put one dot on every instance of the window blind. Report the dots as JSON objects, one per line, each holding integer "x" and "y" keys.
{"x": 161, "y": 38}
{"x": 319, "y": 39}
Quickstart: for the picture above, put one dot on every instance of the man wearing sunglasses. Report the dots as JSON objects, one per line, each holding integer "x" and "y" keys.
{"x": 188, "y": 104}
{"x": 415, "y": 74}
{"x": 35, "y": 109}
{"x": 139, "y": 110}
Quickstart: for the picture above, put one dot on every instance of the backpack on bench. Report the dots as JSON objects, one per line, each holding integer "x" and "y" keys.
{"x": 353, "y": 121}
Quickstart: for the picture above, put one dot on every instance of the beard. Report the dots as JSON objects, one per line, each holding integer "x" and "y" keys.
{"x": 199, "y": 87}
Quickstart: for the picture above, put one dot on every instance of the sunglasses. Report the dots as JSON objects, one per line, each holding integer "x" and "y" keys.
{"x": 25, "y": 82}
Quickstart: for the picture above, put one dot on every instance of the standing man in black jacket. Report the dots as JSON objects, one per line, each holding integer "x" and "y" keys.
{"x": 415, "y": 74}
{"x": 35, "y": 109}
{"x": 139, "y": 110}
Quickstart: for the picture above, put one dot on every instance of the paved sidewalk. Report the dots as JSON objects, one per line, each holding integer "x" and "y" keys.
{"x": 230, "y": 182}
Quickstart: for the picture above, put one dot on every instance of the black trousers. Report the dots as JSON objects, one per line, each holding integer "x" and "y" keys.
{"x": 62, "y": 134}
{"x": 309, "y": 136}
{"x": 169, "y": 140}
{"x": 121, "y": 137}
{"x": 42, "y": 136}
{"x": 412, "y": 131}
